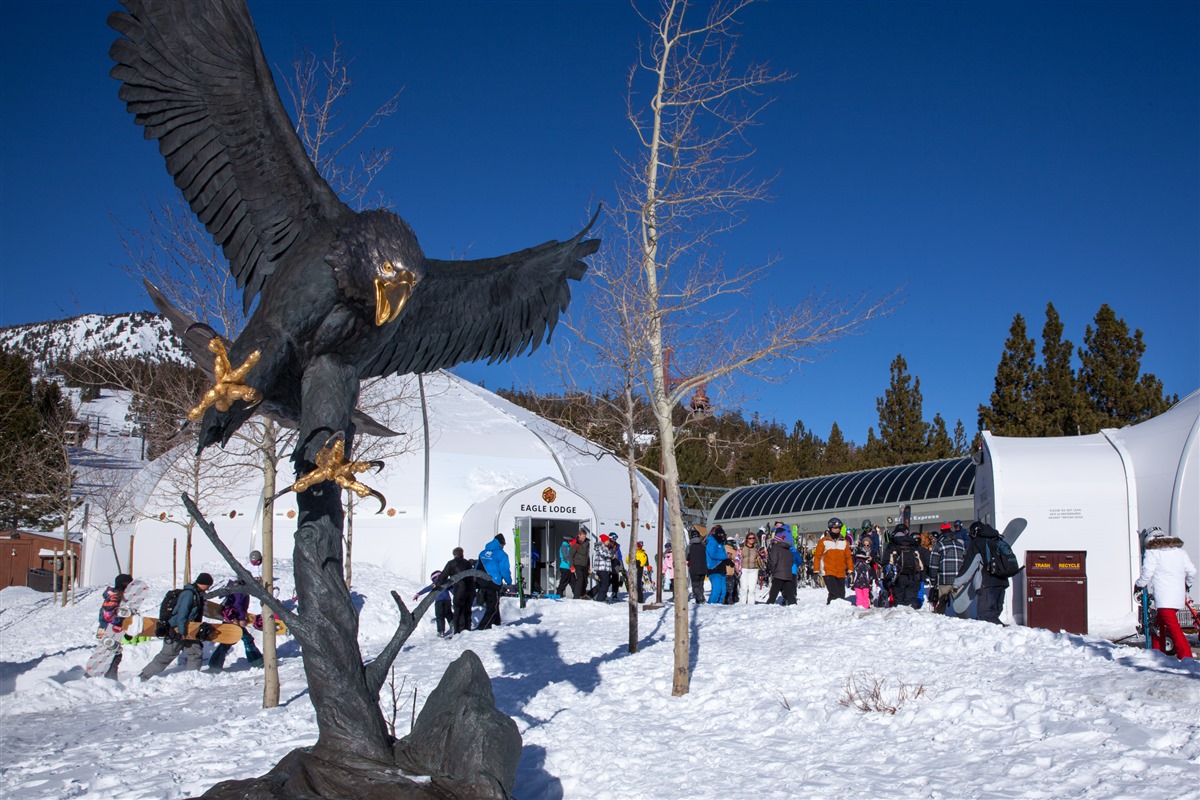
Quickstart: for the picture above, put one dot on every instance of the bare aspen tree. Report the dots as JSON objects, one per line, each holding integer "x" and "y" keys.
{"x": 692, "y": 103}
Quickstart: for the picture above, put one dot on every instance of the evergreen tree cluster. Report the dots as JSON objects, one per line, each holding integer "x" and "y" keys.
{"x": 1108, "y": 390}
{"x": 34, "y": 419}
{"x": 727, "y": 449}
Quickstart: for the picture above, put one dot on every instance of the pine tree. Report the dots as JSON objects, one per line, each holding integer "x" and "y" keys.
{"x": 870, "y": 455}
{"x": 1011, "y": 412}
{"x": 1054, "y": 394}
{"x": 960, "y": 439}
{"x": 902, "y": 427}
{"x": 939, "y": 443}
{"x": 838, "y": 456}
{"x": 803, "y": 450}
{"x": 20, "y": 425}
{"x": 1113, "y": 391}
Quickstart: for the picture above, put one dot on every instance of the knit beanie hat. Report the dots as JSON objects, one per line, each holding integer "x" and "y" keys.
{"x": 122, "y": 581}
{"x": 203, "y": 579}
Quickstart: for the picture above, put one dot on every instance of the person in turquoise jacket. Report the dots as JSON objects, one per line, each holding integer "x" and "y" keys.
{"x": 494, "y": 561}
{"x": 714, "y": 557}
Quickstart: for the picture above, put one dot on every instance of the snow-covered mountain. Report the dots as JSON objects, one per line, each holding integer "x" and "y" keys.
{"x": 136, "y": 335}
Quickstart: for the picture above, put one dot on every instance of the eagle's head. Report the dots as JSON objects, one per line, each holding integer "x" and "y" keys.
{"x": 377, "y": 260}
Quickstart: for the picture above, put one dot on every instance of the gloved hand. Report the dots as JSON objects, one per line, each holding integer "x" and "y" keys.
{"x": 415, "y": 596}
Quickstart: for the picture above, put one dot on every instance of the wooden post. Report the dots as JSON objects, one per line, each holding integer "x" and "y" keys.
{"x": 174, "y": 562}
{"x": 54, "y": 578}
{"x": 130, "y": 563}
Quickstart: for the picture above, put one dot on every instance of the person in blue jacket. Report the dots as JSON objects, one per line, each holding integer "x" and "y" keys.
{"x": 494, "y": 561}
{"x": 564, "y": 566}
{"x": 714, "y": 557}
{"x": 188, "y": 608}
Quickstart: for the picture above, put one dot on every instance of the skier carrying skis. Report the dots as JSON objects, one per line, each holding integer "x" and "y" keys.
{"x": 1170, "y": 573}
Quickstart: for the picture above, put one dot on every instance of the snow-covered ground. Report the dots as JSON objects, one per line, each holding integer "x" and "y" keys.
{"x": 1002, "y": 712}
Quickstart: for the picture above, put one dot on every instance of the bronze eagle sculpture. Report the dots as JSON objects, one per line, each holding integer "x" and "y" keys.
{"x": 342, "y": 296}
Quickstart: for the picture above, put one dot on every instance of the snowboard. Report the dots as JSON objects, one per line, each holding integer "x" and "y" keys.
{"x": 110, "y": 640}
{"x": 212, "y": 610}
{"x": 966, "y": 595}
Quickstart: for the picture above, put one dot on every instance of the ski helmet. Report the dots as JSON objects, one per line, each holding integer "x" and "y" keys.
{"x": 976, "y": 528}
{"x": 834, "y": 522}
{"x": 255, "y": 555}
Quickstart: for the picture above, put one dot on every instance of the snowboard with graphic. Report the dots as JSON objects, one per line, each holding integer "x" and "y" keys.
{"x": 110, "y": 639}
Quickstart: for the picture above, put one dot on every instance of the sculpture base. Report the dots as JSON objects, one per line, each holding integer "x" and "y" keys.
{"x": 467, "y": 746}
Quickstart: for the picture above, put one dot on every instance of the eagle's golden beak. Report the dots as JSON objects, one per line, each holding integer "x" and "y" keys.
{"x": 391, "y": 295}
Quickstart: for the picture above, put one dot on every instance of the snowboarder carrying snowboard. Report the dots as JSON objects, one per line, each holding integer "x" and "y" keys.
{"x": 1169, "y": 573}
{"x": 189, "y": 607}
{"x": 111, "y": 619}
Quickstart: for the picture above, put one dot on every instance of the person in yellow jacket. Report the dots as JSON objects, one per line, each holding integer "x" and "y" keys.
{"x": 641, "y": 561}
{"x": 833, "y": 560}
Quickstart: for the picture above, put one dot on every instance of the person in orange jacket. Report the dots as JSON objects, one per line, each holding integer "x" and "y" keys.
{"x": 833, "y": 560}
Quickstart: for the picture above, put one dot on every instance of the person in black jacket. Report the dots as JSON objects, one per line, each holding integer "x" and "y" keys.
{"x": 189, "y": 607}
{"x": 461, "y": 593}
{"x": 910, "y": 563}
{"x": 990, "y": 588}
{"x": 780, "y": 559}
{"x": 697, "y": 565}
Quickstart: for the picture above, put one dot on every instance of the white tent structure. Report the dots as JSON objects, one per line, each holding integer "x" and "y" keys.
{"x": 1094, "y": 494}
{"x": 469, "y": 465}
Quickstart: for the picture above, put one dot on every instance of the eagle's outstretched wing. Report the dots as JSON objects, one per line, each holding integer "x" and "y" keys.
{"x": 194, "y": 75}
{"x": 491, "y": 308}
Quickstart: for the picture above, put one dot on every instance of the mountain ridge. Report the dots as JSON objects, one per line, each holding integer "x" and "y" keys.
{"x": 138, "y": 334}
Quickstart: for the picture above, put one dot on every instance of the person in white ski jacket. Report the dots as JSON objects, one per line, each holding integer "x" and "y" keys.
{"x": 1170, "y": 573}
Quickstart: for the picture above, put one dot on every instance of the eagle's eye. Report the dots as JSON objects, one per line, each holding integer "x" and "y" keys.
{"x": 387, "y": 270}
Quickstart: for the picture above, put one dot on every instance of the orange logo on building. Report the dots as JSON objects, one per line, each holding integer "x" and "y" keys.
{"x": 549, "y": 495}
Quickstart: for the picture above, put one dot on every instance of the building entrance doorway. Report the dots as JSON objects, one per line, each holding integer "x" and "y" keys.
{"x": 547, "y": 537}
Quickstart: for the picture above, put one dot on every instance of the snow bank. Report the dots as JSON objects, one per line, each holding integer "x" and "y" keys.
{"x": 1004, "y": 712}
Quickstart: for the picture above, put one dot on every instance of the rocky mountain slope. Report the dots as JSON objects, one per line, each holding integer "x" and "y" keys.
{"x": 137, "y": 335}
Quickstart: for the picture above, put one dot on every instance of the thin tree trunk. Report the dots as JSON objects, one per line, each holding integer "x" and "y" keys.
{"x": 270, "y": 660}
{"x": 634, "y": 502}
{"x": 349, "y": 537}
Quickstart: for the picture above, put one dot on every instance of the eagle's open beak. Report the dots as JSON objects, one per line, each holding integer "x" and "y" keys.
{"x": 391, "y": 295}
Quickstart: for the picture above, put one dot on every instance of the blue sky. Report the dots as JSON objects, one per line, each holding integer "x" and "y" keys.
{"x": 990, "y": 157}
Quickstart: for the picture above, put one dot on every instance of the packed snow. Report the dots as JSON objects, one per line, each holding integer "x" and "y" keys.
{"x": 979, "y": 710}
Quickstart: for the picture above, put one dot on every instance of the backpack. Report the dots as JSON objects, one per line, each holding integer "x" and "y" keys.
{"x": 907, "y": 561}
{"x": 862, "y": 574}
{"x": 162, "y": 628}
{"x": 1001, "y": 561}
{"x": 165, "y": 609}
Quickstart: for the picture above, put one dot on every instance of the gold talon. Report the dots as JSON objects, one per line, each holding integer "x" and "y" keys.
{"x": 229, "y": 386}
{"x": 333, "y": 466}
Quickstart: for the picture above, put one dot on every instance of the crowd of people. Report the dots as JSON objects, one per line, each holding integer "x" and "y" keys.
{"x": 900, "y": 568}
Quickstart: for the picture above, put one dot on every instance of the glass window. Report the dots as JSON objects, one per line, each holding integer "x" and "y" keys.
{"x": 941, "y": 477}
{"x": 898, "y": 479}
{"x": 815, "y": 491}
{"x": 788, "y": 501}
{"x": 966, "y": 479}
{"x": 770, "y": 501}
{"x": 925, "y": 479}
{"x": 876, "y": 489}
{"x": 852, "y": 494}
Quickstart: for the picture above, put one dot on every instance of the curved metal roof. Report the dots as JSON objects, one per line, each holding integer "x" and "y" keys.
{"x": 932, "y": 480}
